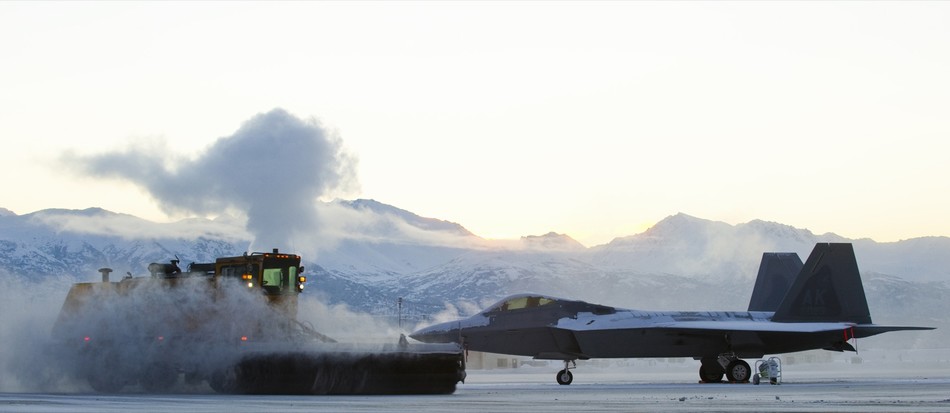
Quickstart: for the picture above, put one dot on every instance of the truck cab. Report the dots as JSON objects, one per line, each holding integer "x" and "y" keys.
{"x": 277, "y": 275}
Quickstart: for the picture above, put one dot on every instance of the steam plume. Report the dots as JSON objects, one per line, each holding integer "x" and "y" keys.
{"x": 273, "y": 169}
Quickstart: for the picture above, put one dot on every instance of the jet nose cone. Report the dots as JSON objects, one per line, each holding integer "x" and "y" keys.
{"x": 438, "y": 333}
{"x": 419, "y": 336}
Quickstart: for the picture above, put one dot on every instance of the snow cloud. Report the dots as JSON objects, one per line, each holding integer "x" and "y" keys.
{"x": 43, "y": 344}
{"x": 273, "y": 170}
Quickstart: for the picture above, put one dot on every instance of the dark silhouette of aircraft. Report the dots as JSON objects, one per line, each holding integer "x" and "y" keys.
{"x": 794, "y": 307}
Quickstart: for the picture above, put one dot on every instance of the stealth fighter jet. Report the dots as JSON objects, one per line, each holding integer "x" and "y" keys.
{"x": 822, "y": 307}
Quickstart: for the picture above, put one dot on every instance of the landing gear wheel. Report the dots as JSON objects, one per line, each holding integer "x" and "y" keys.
{"x": 565, "y": 377}
{"x": 738, "y": 371}
{"x": 710, "y": 373}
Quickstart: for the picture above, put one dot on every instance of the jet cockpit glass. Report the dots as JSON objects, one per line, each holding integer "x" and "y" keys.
{"x": 520, "y": 302}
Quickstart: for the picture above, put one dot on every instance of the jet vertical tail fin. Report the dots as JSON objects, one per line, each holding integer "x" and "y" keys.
{"x": 776, "y": 273}
{"x": 828, "y": 288}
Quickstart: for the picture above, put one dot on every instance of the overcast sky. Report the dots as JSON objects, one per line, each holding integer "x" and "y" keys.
{"x": 591, "y": 119}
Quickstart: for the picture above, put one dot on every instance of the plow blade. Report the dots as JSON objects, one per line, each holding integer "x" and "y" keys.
{"x": 343, "y": 373}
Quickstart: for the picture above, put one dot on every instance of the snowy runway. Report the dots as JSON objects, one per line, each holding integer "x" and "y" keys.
{"x": 536, "y": 391}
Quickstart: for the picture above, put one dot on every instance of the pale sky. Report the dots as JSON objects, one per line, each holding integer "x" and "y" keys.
{"x": 592, "y": 119}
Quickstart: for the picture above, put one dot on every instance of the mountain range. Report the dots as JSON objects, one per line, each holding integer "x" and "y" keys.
{"x": 367, "y": 255}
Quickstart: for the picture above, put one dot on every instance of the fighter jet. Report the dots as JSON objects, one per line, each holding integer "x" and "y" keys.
{"x": 822, "y": 307}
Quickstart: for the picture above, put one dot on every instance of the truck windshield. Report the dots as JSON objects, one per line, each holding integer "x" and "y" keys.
{"x": 279, "y": 280}
{"x": 272, "y": 279}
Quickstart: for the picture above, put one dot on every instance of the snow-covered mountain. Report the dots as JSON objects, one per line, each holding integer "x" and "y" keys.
{"x": 75, "y": 243}
{"x": 369, "y": 254}
{"x": 685, "y": 245}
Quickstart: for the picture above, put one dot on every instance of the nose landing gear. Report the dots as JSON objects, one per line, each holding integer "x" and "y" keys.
{"x": 565, "y": 377}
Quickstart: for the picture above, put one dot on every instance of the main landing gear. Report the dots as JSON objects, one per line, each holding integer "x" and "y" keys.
{"x": 735, "y": 369}
{"x": 711, "y": 370}
{"x": 564, "y": 377}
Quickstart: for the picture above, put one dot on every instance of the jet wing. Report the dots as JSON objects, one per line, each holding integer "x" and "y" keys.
{"x": 771, "y": 327}
{"x": 643, "y": 338}
{"x": 777, "y": 327}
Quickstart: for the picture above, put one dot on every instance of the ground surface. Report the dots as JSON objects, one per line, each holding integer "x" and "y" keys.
{"x": 533, "y": 389}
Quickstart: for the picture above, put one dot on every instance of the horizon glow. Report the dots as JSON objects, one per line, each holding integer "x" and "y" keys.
{"x": 594, "y": 120}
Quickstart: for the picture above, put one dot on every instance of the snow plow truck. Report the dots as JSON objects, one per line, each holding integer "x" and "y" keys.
{"x": 233, "y": 324}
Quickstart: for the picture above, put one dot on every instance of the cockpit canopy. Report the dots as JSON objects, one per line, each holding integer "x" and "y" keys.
{"x": 528, "y": 301}
{"x": 521, "y": 301}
